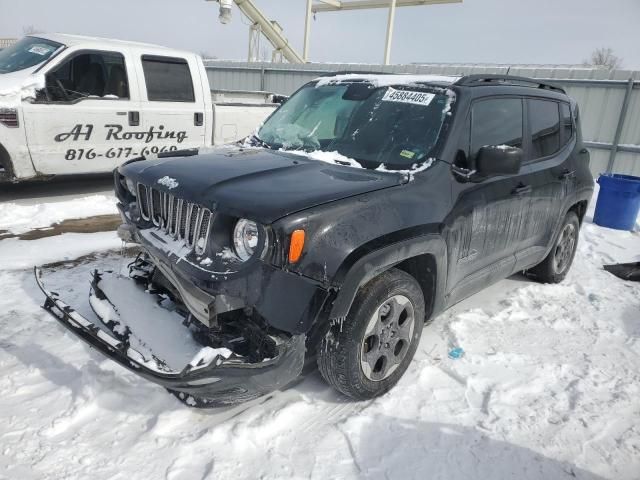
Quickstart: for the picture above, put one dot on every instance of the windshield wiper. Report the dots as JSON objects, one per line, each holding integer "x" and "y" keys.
{"x": 261, "y": 143}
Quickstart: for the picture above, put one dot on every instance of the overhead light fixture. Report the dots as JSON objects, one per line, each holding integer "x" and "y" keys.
{"x": 225, "y": 11}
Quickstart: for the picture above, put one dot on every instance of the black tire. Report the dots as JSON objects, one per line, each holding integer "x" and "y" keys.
{"x": 550, "y": 270}
{"x": 341, "y": 353}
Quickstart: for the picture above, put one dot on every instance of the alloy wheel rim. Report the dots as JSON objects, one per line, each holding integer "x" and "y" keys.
{"x": 564, "y": 248}
{"x": 387, "y": 338}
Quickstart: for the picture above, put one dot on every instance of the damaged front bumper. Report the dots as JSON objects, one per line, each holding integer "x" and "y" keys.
{"x": 220, "y": 382}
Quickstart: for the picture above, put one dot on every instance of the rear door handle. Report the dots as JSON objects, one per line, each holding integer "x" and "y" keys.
{"x": 521, "y": 190}
{"x": 134, "y": 119}
{"x": 198, "y": 119}
{"x": 566, "y": 174}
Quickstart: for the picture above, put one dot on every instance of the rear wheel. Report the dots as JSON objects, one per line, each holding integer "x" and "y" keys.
{"x": 556, "y": 265}
{"x": 368, "y": 353}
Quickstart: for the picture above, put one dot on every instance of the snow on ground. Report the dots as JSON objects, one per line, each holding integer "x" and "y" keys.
{"x": 548, "y": 388}
{"x": 18, "y": 254}
{"x": 16, "y": 218}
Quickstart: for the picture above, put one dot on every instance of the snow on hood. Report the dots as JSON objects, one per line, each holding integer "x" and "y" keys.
{"x": 336, "y": 158}
{"x": 18, "y": 86}
{"x": 383, "y": 80}
{"x": 168, "y": 182}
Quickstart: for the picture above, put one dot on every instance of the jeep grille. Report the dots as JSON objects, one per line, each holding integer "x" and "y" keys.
{"x": 178, "y": 218}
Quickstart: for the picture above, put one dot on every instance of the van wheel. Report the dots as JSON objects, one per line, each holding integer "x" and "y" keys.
{"x": 556, "y": 265}
{"x": 364, "y": 356}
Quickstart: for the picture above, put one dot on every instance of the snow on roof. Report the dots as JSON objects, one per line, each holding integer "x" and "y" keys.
{"x": 98, "y": 42}
{"x": 383, "y": 80}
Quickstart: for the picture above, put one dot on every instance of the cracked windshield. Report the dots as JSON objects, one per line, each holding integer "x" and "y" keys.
{"x": 394, "y": 127}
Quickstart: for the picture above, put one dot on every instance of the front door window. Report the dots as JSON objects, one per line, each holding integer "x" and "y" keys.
{"x": 88, "y": 75}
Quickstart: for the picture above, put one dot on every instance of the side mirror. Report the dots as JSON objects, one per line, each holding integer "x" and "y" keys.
{"x": 493, "y": 160}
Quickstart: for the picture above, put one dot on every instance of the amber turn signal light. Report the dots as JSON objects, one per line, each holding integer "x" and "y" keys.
{"x": 296, "y": 245}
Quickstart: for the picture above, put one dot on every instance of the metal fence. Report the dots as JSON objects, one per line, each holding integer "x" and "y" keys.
{"x": 7, "y": 42}
{"x": 609, "y": 100}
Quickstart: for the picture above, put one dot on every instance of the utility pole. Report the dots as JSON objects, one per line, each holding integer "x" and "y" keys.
{"x": 307, "y": 31}
{"x": 390, "y": 19}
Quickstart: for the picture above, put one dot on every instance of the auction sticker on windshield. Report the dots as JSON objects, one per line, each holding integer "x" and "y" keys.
{"x": 408, "y": 96}
{"x": 40, "y": 49}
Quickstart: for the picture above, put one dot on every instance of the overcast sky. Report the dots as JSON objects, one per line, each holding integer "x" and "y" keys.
{"x": 476, "y": 31}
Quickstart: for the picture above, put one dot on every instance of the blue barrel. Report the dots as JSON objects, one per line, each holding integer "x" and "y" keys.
{"x": 618, "y": 201}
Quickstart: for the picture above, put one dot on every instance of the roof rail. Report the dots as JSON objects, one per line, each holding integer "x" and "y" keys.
{"x": 491, "y": 78}
{"x": 354, "y": 72}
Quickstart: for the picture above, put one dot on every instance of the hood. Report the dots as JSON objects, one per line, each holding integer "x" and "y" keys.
{"x": 260, "y": 184}
{"x": 13, "y": 79}
{"x": 16, "y": 86}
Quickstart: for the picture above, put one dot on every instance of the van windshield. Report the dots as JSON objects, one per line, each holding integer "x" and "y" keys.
{"x": 26, "y": 53}
{"x": 397, "y": 126}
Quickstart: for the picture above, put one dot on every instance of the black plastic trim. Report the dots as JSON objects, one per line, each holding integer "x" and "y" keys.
{"x": 497, "y": 79}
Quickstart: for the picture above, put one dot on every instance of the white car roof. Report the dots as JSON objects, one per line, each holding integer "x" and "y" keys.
{"x": 106, "y": 43}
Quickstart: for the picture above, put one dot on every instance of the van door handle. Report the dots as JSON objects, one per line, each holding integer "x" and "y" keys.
{"x": 198, "y": 119}
{"x": 521, "y": 190}
{"x": 134, "y": 119}
{"x": 566, "y": 174}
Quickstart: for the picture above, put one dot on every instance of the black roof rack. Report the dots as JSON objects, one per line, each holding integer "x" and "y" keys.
{"x": 495, "y": 79}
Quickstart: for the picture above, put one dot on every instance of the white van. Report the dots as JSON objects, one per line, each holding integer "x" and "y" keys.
{"x": 74, "y": 105}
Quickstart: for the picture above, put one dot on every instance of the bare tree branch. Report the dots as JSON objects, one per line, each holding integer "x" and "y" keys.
{"x": 604, "y": 57}
{"x": 30, "y": 30}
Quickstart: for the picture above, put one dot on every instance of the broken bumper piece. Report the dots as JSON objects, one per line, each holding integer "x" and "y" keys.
{"x": 220, "y": 382}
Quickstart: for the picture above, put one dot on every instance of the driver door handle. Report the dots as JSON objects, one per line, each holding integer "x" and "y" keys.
{"x": 521, "y": 189}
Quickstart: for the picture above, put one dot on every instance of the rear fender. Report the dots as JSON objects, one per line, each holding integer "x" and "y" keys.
{"x": 374, "y": 263}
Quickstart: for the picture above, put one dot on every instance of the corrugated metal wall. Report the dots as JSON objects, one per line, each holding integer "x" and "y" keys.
{"x": 600, "y": 94}
{"x": 7, "y": 42}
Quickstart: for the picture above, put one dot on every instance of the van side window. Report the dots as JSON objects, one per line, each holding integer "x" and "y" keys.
{"x": 88, "y": 75}
{"x": 545, "y": 127}
{"x": 496, "y": 121}
{"x": 168, "y": 79}
{"x": 567, "y": 124}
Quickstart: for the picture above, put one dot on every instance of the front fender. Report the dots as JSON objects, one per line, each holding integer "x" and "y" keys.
{"x": 367, "y": 266}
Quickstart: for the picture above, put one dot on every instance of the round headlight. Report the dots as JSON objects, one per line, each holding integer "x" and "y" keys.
{"x": 245, "y": 238}
{"x": 131, "y": 186}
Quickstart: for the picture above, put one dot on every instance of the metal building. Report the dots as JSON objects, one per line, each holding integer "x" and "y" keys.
{"x": 7, "y": 42}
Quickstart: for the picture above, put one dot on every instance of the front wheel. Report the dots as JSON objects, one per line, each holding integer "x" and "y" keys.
{"x": 556, "y": 264}
{"x": 366, "y": 355}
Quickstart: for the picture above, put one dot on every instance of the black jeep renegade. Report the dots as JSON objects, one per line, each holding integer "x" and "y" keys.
{"x": 363, "y": 207}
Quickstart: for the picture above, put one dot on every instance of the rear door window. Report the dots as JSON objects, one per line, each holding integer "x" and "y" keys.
{"x": 167, "y": 79}
{"x": 496, "y": 121}
{"x": 545, "y": 127}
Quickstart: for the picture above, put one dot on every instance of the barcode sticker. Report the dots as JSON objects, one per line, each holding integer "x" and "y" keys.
{"x": 40, "y": 49}
{"x": 408, "y": 96}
